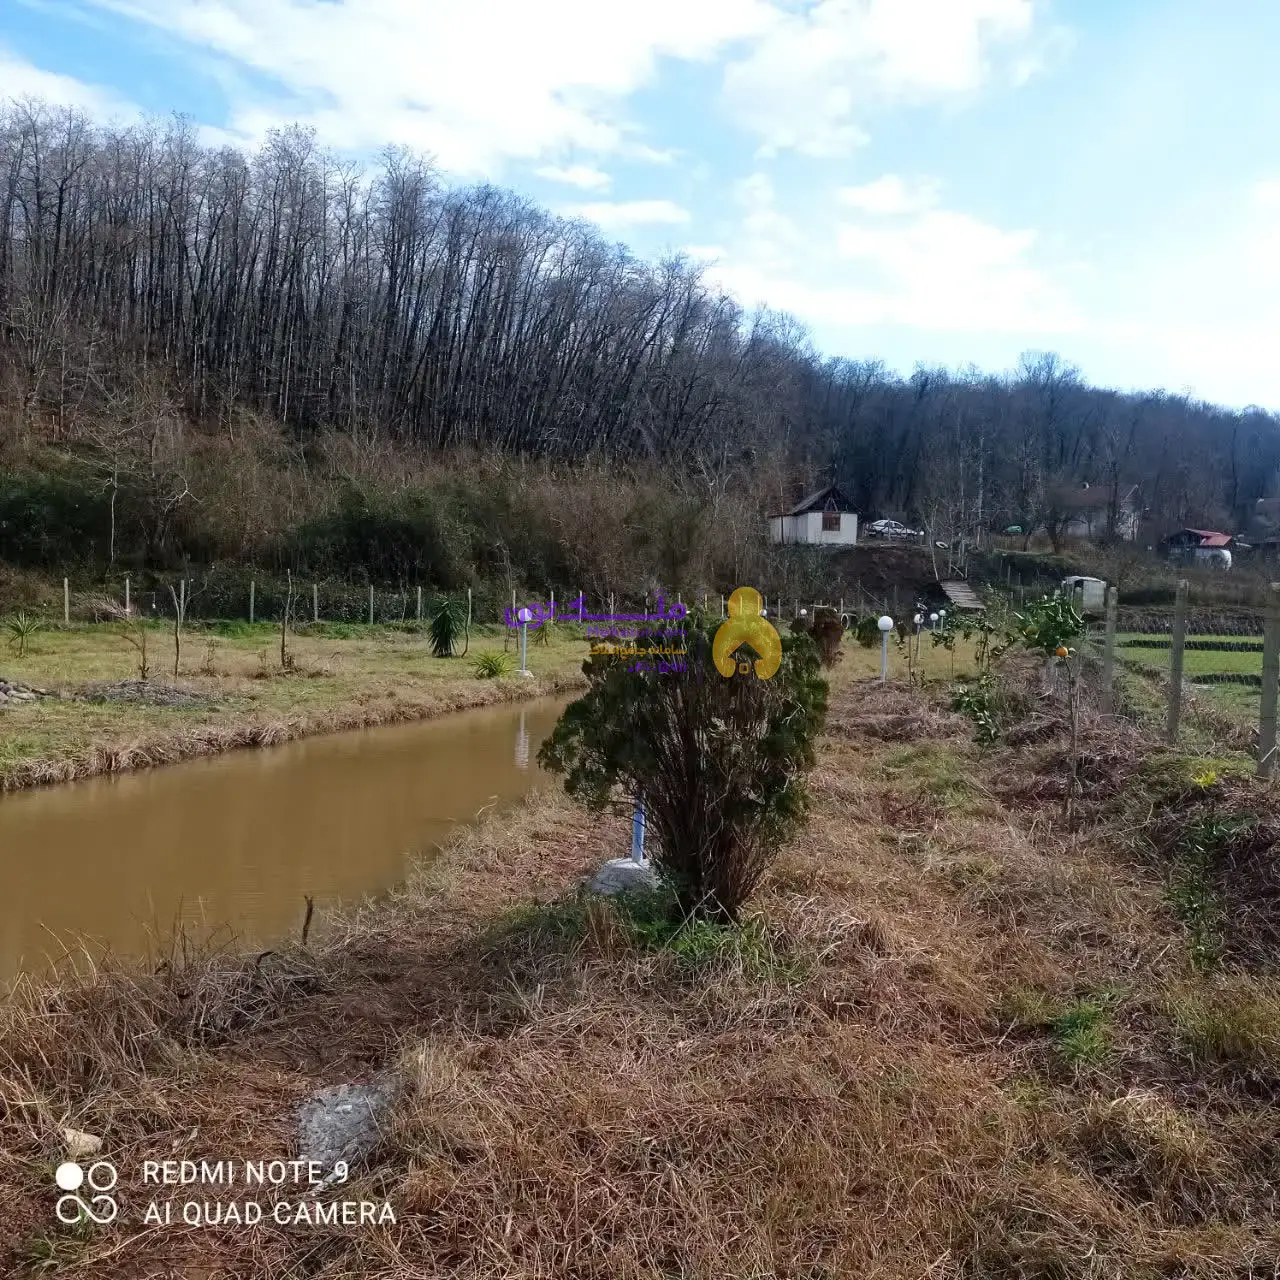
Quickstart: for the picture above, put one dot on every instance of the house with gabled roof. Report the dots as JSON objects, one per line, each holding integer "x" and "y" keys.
{"x": 1098, "y": 511}
{"x": 824, "y": 518}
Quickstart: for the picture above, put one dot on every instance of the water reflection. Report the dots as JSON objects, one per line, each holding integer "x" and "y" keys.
{"x": 522, "y": 742}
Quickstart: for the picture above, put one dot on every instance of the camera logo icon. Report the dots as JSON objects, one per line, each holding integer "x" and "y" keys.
{"x": 101, "y": 1206}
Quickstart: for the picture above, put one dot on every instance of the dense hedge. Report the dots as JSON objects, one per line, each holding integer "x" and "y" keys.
{"x": 1213, "y": 646}
{"x": 51, "y": 521}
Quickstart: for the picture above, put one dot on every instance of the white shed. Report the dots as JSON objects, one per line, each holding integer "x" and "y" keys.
{"x": 1089, "y": 593}
{"x": 825, "y": 518}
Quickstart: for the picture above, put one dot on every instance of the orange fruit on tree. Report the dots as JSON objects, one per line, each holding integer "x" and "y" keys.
{"x": 1061, "y": 651}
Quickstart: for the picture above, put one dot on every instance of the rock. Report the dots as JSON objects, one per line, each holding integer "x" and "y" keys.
{"x": 343, "y": 1121}
{"x": 12, "y": 691}
{"x": 152, "y": 693}
{"x": 619, "y": 875}
{"x": 81, "y": 1144}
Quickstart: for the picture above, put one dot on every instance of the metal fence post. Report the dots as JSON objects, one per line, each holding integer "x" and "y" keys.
{"x": 252, "y": 586}
{"x": 1175, "y": 661}
{"x": 66, "y": 602}
{"x": 315, "y": 602}
{"x": 371, "y": 604}
{"x": 1109, "y": 652}
{"x": 127, "y": 609}
{"x": 1270, "y": 682}
{"x": 420, "y": 601}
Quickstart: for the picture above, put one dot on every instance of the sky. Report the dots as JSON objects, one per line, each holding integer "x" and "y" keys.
{"x": 939, "y": 182}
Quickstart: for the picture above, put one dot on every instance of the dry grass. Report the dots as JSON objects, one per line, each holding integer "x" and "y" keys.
{"x": 956, "y": 1041}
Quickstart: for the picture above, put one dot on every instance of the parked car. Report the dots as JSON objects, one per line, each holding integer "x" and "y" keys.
{"x": 891, "y": 529}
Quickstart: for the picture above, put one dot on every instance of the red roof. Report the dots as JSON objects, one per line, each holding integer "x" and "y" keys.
{"x": 1210, "y": 537}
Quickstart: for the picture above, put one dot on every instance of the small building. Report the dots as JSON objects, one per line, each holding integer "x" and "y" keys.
{"x": 1089, "y": 593}
{"x": 1200, "y": 546}
{"x": 1100, "y": 511}
{"x": 825, "y": 518}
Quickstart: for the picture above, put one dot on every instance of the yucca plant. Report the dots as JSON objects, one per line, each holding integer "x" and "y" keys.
{"x": 448, "y": 622}
{"x": 21, "y": 627}
{"x": 492, "y": 664}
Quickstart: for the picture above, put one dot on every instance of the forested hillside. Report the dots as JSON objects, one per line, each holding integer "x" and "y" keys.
{"x": 209, "y": 354}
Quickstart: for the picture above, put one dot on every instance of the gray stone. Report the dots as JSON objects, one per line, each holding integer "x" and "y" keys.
{"x": 14, "y": 691}
{"x": 345, "y": 1121}
{"x": 150, "y": 692}
{"x": 619, "y": 875}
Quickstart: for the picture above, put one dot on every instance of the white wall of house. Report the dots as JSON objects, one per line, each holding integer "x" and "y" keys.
{"x": 1093, "y": 524}
{"x": 807, "y": 529}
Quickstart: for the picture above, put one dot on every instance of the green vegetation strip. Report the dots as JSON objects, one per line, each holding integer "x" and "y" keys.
{"x": 1220, "y": 646}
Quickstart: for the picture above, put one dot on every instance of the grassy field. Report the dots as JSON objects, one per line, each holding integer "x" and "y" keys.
{"x": 1195, "y": 661}
{"x": 1219, "y": 705}
{"x": 341, "y": 675}
{"x": 955, "y": 1039}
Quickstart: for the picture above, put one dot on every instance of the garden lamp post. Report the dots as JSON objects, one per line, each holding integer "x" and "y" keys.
{"x": 933, "y": 621}
{"x": 886, "y": 625}
{"x": 525, "y": 617}
{"x": 919, "y": 621}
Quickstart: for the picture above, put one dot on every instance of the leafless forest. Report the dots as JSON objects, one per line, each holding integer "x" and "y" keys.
{"x": 203, "y": 352}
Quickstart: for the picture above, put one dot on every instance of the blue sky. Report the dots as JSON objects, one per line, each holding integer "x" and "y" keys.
{"x": 936, "y": 181}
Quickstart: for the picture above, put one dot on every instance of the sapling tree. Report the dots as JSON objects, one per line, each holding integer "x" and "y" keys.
{"x": 1053, "y": 627}
{"x": 286, "y": 659}
{"x": 978, "y": 699}
{"x": 721, "y": 762}
{"x": 132, "y": 629}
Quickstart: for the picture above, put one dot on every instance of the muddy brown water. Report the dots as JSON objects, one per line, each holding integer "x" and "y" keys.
{"x": 233, "y": 843}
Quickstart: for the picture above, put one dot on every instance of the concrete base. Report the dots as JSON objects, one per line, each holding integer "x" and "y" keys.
{"x": 619, "y": 875}
{"x": 525, "y": 675}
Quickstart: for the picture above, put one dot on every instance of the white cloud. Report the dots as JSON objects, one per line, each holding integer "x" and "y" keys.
{"x": 943, "y": 269}
{"x": 613, "y": 216}
{"x": 476, "y": 83}
{"x": 889, "y": 195}
{"x": 20, "y": 79}
{"x": 823, "y": 65}
{"x": 576, "y": 175}
{"x": 900, "y": 260}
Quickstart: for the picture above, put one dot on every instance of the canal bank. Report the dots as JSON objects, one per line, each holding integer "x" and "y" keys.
{"x": 235, "y": 692}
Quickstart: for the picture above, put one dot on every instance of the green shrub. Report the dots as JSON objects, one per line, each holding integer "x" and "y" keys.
{"x": 21, "y": 627}
{"x": 867, "y": 632}
{"x": 412, "y": 535}
{"x": 720, "y": 761}
{"x": 54, "y": 521}
{"x": 448, "y": 622}
{"x": 978, "y": 700}
{"x": 492, "y": 664}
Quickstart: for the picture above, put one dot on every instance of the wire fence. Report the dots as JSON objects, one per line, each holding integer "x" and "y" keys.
{"x": 1195, "y": 655}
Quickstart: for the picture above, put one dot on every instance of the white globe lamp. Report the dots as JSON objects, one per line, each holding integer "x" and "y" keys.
{"x": 886, "y": 625}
